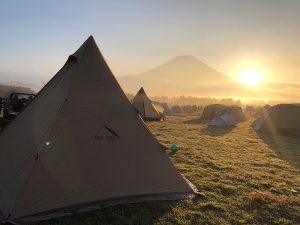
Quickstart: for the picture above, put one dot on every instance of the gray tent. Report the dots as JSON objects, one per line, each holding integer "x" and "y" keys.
{"x": 216, "y": 110}
{"x": 262, "y": 111}
{"x": 79, "y": 146}
{"x": 162, "y": 108}
{"x": 282, "y": 118}
{"x": 226, "y": 120}
{"x": 146, "y": 108}
{"x": 167, "y": 110}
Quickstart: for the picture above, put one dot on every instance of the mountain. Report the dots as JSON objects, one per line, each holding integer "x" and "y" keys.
{"x": 6, "y": 89}
{"x": 33, "y": 82}
{"x": 187, "y": 75}
{"x": 183, "y": 74}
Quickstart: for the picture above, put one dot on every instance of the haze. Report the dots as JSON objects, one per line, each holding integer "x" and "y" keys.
{"x": 136, "y": 36}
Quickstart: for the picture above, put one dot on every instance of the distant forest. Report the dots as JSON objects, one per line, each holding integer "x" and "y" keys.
{"x": 180, "y": 100}
{"x": 6, "y": 89}
{"x": 190, "y": 100}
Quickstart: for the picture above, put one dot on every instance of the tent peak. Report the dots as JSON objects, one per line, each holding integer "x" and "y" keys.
{"x": 141, "y": 91}
{"x": 90, "y": 39}
{"x": 89, "y": 43}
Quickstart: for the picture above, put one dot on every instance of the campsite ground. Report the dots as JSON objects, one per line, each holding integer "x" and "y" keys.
{"x": 246, "y": 178}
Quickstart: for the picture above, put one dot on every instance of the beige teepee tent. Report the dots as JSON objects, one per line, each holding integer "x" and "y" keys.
{"x": 145, "y": 107}
{"x": 80, "y": 145}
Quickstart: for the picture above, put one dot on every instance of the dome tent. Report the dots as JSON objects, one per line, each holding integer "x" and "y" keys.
{"x": 262, "y": 111}
{"x": 282, "y": 118}
{"x": 65, "y": 154}
{"x": 225, "y": 120}
{"x": 216, "y": 110}
{"x": 212, "y": 111}
{"x": 163, "y": 108}
{"x": 167, "y": 110}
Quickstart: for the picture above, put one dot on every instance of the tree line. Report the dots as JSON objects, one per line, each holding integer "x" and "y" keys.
{"x": 192, "y": 100}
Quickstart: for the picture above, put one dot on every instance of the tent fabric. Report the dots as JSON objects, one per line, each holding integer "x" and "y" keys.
{"x": 225, "y": 120}
{"x": 258, "y": 122}
{"x": 159, "y": 108}
{"x": 282, "y": 118}
{"x": 167, "y": 110}
{"x": 236, "y": 113}
{"x": 145, "y": 107}
{"x": 263, "y": 111}
{"x": 216, "y": 110}
{"x": 211, "y": 111}
{"x": 162, "y": 108}
{"x": 80, "y": 143}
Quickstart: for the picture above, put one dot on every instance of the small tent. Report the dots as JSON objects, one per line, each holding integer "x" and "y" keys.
{"x": 216, "y": 110}
{"x": 282, "y": 118}
{"x": 212, "y": 111}
{"x": 236, "y": 112}
{"x": 162, "y": 108}
{"x": 262, "y": 111}
{"x": 145, "y": 107}
{"x": 158, "y": 106}
{"x": 167, "y": 110}
{"x": 80, "y": 145}
{"x": 225, "y": 120}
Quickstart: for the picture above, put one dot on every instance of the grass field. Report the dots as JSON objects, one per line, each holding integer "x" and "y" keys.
{"x": 246, "y": 178}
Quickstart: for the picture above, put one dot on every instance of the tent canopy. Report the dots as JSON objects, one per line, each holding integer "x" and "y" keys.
{"x": 80, "y": 145}
{"x": 162, "y": 108}
{"x": 262, "y": 111}
{"x": 216, "y": 110}
{"x": 225, "y": 120}
{"x": 145, "y": 107}
{"x": 282, "y": 118}
{"x": 167, "y": 110}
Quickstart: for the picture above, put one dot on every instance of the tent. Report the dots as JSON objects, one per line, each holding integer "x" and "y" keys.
{"x": 211, "y": 111}
{"x": 282, "y": 118}
{"x": 145, "y": 107}
{"x": 158, "y": 106}
{"x": 80, "y": 145}
{"x": 262, "y": 111}
{"x": 163, "y": 108}
{"x": 167, "y": 110}
{"x": 236, "y": 112}
{"x": 225, "y": 120}
{"x": 215, "y": 110}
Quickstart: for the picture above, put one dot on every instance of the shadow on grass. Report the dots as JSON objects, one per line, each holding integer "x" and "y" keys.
{"x": 196, "y": 121}
{"x": 133, "y": 213}
{"x": 171, "y": 153}
{"x": 216, "y": 131}
{"x": 285, "y": 146}
{"x": 184, "y": 114}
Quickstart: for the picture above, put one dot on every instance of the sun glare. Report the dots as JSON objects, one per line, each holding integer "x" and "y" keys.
{"x": 250, "y": 77}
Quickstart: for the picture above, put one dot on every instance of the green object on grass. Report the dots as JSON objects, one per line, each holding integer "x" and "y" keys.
{"x": 47, "y": 143}
{"x": 174, "y": 148}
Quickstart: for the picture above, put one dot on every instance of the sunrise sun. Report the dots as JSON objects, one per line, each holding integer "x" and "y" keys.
{"x": 250, "y": 77}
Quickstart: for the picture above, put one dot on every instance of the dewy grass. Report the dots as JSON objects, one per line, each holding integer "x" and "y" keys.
{"x": 247, "y": 178}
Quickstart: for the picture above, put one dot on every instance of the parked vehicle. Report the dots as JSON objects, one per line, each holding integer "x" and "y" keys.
{"x": 15, "y": 103}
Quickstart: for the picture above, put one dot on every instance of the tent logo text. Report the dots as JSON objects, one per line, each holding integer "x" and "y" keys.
{"x": 106, "y": 134}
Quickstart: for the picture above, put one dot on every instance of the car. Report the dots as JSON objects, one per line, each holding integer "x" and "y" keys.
{"x": 15, "y": 103}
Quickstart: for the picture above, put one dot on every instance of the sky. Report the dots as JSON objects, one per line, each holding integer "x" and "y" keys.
{"x": 36, "y": 36}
